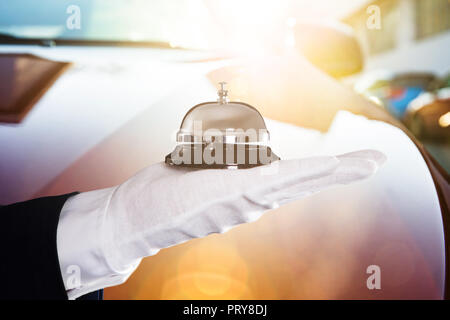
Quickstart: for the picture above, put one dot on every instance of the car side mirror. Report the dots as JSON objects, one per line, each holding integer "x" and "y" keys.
{"x": 332, "y": 48}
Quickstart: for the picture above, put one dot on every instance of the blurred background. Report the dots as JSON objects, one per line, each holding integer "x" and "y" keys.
{"x": 407, "y": 67}
{"x": 136, "y": 67}
{"x": 400, "y": 59}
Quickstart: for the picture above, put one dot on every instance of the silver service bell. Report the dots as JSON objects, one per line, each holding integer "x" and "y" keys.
{"x": 222, "y": 135}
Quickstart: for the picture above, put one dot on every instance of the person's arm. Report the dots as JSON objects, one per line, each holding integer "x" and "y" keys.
{"x": 71, "y": 245}
{"x": 104, "y": 234}
{"x": 29, "y": 265}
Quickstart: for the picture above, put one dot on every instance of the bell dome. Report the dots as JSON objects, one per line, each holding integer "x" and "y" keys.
{"x": 218, "y": 116}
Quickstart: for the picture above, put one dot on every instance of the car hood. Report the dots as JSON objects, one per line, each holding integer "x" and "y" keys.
{"x": 105, "y": 119}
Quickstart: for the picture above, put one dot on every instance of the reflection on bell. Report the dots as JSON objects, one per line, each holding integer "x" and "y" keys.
{"x": 222, "y": 134}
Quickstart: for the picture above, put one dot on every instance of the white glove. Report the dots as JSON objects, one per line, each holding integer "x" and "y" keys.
{"x": 108, "y": 231}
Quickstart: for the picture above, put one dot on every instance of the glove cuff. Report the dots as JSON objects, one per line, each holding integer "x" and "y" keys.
{"x": 81, "y": 241}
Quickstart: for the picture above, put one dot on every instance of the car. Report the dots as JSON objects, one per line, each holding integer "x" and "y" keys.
{"x": 427, "y": 116}
{"x": 395, "y": 90}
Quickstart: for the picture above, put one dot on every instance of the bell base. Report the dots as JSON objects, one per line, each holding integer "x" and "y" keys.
{"x": 246, "y": 164}
{"x": 216, "y": 166}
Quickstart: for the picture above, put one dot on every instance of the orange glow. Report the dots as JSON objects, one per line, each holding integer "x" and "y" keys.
{"x": 444, "y": 120}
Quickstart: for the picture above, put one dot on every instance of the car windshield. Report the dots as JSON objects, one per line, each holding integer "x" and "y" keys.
{"x": 186, "y": 23}
{"x": 115, "y": 20}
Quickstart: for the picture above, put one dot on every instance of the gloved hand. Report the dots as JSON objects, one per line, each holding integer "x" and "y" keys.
{"x": 163, "y": 205}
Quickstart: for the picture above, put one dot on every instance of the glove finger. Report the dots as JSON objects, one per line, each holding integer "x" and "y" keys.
{"x": 368, "y": 154}
{"x": 215, "y": 184}
{"x": 349, "y": 170}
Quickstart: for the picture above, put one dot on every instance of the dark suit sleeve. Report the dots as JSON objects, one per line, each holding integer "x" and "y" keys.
{"x": 29, "y": 257}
